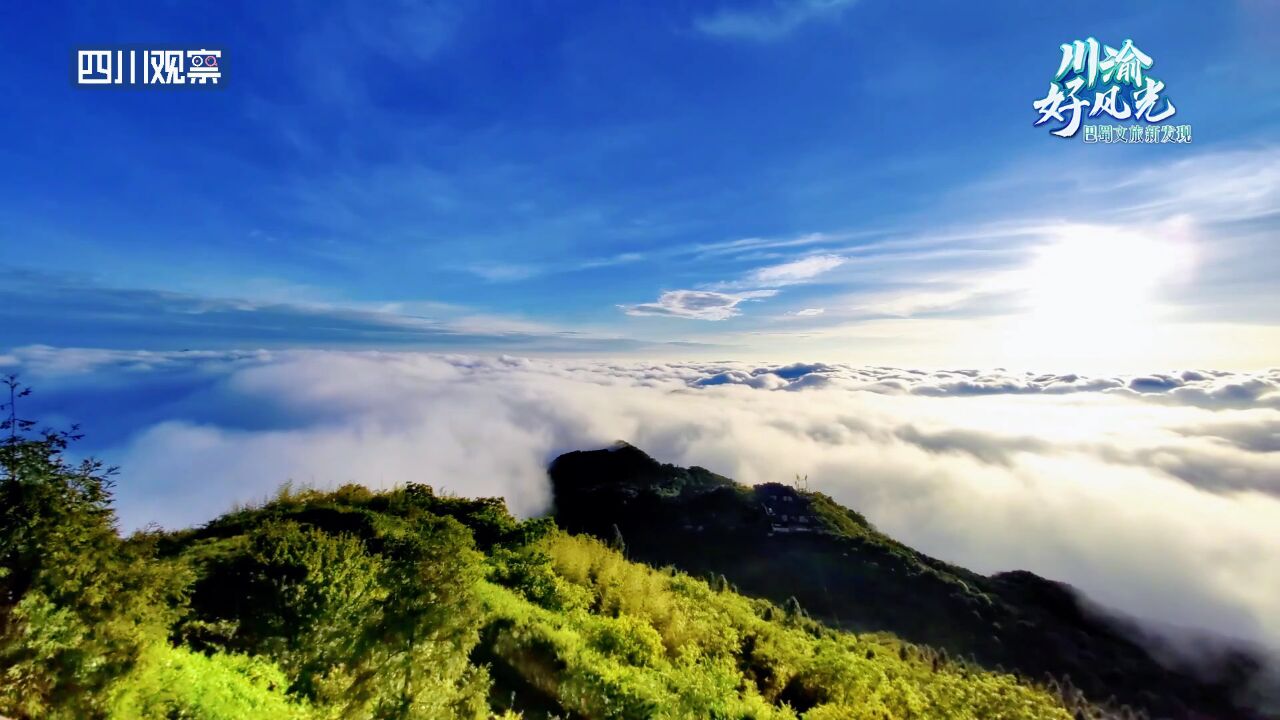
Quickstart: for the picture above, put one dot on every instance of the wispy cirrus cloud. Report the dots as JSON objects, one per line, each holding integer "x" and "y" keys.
{"x": 793, "y": 272}
{"x": 720, "y": 301}
{"x": 696, "y": 304}
{"x": 741, "y": 246}
{"x": 354, "y": 40}
{"x": 52, "y": 309}
{"x": 503, "y": 272}
{"x": 769, "y": 21}
{"x": 1177, "y": 240}
{"x": 513, "y": 272}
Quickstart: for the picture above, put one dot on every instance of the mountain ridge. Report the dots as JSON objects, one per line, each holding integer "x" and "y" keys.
{"x": 788, "y": 544}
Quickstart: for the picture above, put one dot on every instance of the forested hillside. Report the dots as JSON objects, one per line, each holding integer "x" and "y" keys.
{"x": 408, "y": 604}
{"x": 783, "y": 542}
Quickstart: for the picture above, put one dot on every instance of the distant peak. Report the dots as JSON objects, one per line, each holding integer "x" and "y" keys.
{"x": 623, "y": 467}
{"x": 620, "y": 457}
{"x": 621, "y": 452}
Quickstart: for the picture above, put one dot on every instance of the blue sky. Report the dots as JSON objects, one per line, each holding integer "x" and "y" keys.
{"x": 845, "y": 180}
{"x": 696, "y": 195}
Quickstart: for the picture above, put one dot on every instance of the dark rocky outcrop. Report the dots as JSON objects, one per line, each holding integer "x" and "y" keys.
{"x": 781, "y": 541}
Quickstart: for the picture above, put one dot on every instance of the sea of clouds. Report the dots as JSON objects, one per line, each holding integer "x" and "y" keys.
{"x": 1158, "y": 495}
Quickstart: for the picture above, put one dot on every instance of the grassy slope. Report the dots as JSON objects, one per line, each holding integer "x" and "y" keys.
{"x": 571, "y": 627}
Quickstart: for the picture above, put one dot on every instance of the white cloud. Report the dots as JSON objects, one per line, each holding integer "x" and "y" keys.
{"x": 1155, "y": 500}
{"x": 1226, "y": 185}
{"x": 42, "y": 308}
{"x": 769, "y": 21}
{"x": 713, "y": 303}
{"x": 1169, "y": 264}
{"x": 920, "y": 301}
{"x": 750, "y": 245}
{"x": 796, "y": 271}
{"x": 1210, "y": 389}
{"x": 696, "y": 304}
{"x": 504, "y": 272}
{"x": 809, "y": 312}
{"x": 514, "y": 272}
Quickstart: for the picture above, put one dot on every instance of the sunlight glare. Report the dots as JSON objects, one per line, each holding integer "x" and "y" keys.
{"x": 1097, "y": 289}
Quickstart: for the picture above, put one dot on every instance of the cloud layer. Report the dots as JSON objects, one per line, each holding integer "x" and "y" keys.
{"x": 1212, "y": 389}
{"x": 1156, "y": 494}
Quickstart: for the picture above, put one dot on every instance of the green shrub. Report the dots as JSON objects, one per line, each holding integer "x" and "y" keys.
{"x": 178, "y": 683}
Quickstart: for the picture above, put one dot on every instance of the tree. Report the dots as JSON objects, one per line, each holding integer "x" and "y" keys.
{"x": 617, "y": 542}
{"x": 418, "y": 647}
{"x": 293, "y": 593}
{"x": 77, "y": 604}
{"x": 793, "y": 608}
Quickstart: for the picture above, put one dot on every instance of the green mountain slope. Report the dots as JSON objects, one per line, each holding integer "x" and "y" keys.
{"x": 409, "y": 605}
{"x": 562, "y": 625}
{"x": 780, "y": 542}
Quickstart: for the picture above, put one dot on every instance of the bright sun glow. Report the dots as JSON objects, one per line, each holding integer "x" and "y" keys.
{"x": 1095, "y": 290}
